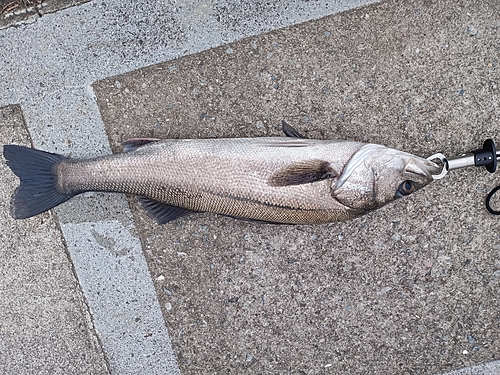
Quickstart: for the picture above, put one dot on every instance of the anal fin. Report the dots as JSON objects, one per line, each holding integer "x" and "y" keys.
{"x": 161, "y": 212}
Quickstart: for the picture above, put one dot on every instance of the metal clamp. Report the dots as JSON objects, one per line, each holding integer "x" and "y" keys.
{"x": 444, "y": 161}
{"x": 485, "y": 157}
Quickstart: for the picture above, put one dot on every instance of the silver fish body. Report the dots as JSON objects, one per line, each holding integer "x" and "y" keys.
{"x": 282, "y": 180}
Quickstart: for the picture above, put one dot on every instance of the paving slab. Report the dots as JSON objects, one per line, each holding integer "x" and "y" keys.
{"x": 45, "y": 326}
{"x": 47, "y": 68}
{"x": 410, "y": 289}
{"x": 490, "y": 368}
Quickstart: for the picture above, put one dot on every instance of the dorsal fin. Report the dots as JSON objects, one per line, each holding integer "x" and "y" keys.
{"x": 302, "y": 173}
{"x": 134, "y": 143}
{"x": 290, "y": 131}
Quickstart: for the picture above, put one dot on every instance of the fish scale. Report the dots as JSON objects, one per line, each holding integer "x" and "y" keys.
{"x": 226, "y": 176}
{"x": 272, "y": 179}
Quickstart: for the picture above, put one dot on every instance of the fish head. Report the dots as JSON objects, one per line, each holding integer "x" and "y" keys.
{"x": 376, "y": 175}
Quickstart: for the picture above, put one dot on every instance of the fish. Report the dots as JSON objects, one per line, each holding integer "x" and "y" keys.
{"x": 286, "y": 180}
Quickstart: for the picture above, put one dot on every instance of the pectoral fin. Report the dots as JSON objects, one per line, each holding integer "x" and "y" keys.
{"x": 303, "y": 173}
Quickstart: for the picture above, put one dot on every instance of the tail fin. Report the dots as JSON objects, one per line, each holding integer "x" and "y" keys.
{"x": 38, "y": 189}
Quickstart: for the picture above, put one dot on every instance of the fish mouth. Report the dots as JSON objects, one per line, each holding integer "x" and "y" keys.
{"x": 434, "y": 169}
{"x": 423, "y": 167}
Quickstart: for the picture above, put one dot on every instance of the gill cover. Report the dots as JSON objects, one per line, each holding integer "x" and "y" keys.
{"x": 376, "y": 175}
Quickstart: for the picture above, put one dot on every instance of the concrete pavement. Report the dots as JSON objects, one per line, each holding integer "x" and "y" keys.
{"x": 394, "y": 292}
{"x": 411, "y": 288}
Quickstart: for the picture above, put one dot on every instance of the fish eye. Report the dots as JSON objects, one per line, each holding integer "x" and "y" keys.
{"x": 406, "y": 188}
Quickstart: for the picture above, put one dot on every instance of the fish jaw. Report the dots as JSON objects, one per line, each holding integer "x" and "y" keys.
{"x": 377, "y": 175}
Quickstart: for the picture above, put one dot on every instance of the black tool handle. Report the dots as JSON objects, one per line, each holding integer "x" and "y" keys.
{"x": 487, "y": 156}
{"x": 484, "y": 157}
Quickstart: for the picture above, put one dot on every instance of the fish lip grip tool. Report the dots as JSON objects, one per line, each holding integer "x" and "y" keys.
{"x": 485, "y": 157}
